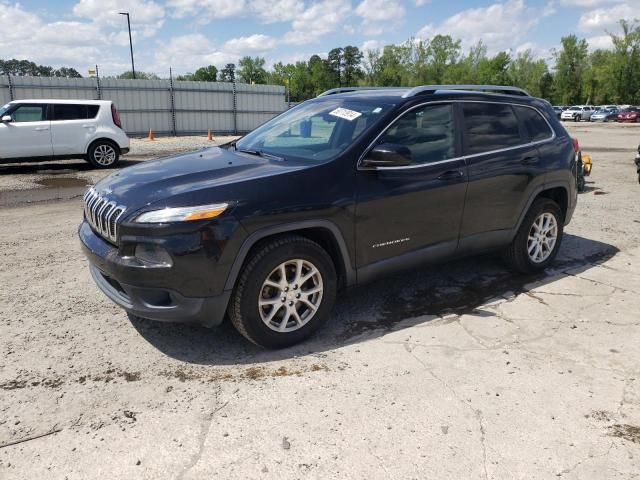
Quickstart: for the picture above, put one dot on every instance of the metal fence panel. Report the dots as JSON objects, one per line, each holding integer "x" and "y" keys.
{"x": 5, "y": 95}
{"x": 167, "y": 107}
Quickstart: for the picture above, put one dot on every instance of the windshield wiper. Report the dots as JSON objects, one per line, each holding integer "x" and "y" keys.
{"x": 257, "y": 153}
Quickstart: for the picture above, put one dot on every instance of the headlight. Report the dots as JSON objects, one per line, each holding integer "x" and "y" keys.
{"x": 182, "y": 214}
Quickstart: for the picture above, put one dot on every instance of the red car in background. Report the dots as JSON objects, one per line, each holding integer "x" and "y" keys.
{"x": 631, "y": 114}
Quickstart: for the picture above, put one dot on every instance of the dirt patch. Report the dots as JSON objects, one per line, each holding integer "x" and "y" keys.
{"x": 63, "y": 182}
{"x": 251, "y": 373}
{"x": 13, "y": 384}
{"x": 631, "y": 433}
{"x": 600, "y": 415}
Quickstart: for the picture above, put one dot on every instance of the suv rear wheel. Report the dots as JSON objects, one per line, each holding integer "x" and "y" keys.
{"x": 285, "y": 292}
{"x": 538, "y": 239}
{"x": 103, "y": 154}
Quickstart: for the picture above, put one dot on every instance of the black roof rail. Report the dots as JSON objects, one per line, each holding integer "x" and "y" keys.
{"x": 484, "y": 88}
{"x": 334, "y": 91}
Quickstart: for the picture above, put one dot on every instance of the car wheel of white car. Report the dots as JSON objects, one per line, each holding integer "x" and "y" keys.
{"x": 103, "y": 154}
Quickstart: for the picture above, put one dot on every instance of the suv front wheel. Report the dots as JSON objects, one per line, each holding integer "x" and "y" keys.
{"x": 285, "y": 292}
{"x": 537, "y": 242}
{"x": 103, "y": 154}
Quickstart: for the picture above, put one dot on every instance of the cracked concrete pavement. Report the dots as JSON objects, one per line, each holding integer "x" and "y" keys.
{"x": 461, "y": 370}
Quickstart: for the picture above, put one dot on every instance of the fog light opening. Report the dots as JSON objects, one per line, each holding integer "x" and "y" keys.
{"x": 152, "y": 255}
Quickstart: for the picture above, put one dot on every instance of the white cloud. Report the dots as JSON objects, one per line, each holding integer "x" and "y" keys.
{"x": 55, "y": 43}
{"x": 206, "y": 10}
{"x": 499, "y": 26}
{"x": 379, "y": 16}
{"x": 588, "y": 3}
{"x": 146, "y": 16}
{"x": 600, "y": 42}
{"x": 538, "y": 52}
{"x": 370, "y": 45}
{"x": 188, "y": 52}
{"x": 319, "y": 19}
{"x": 603, "y": 18}
{"x": 250, "y": 44}
{"x": 549, "y": 8}
{"x": 420, "y": 3}
{"x": 272, "y": 11}
{"x": 380, "y": 10}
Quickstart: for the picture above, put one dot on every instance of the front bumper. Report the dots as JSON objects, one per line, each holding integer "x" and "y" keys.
{"x": 118, "y": 282}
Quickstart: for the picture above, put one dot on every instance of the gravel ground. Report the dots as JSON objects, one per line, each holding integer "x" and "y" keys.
{"x": 463, "y": 370}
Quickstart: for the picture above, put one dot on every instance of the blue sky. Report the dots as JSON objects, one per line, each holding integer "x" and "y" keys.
{"x": 187, "y": 34}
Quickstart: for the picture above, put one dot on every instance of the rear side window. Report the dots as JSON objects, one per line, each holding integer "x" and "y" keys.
{"x": 74, "y": 111}
{"x": 92, "y": 111}
{"x": 537, "y": 127}
{"x": 428, "y": 132}
{"x": 490, "y": 126}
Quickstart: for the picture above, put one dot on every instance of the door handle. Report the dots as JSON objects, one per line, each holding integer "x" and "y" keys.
{"x": 450, "y": 175}
{"x": 529, "y": 160}
{"x": 88, "y": 126}
{"x": 40, "y": 129}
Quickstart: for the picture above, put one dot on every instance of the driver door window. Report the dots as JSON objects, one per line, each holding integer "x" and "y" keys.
{"x": 428, "y": 132}
{"x": 29, "y": 113}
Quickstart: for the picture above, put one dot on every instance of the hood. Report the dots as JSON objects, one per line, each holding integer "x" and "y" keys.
{"x": 200, "y": 172}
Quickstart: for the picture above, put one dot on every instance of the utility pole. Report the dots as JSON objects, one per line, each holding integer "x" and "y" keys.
{"x": 133, "y": 68}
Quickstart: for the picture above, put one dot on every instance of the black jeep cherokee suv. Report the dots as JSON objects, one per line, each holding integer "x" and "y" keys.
{"x": 337, "y": 191}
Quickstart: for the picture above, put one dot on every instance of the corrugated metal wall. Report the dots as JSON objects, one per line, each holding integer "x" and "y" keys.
{"x": 166, "y": 107}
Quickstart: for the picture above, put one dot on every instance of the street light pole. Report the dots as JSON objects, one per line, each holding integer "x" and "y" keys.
{"x": 133, "y": 68}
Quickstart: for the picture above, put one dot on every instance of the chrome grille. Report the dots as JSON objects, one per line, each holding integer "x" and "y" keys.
{"x": 102, "y": 215}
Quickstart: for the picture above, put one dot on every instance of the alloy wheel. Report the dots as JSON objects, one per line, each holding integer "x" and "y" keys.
{"x": 104, "y": 155}
{"x": 542, "y": 237}
{"x": 291, "y": 295}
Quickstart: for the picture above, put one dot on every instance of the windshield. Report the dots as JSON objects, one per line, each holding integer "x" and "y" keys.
{"x": 4, "y": 109}
{"x": 314, "y": 131}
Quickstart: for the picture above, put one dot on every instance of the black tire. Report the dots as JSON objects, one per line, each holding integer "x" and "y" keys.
{"x": 576, "y": 118}
{"x": 243, "y": 307}
{"x": 516, "y": 255}
{"x": 581, "y": 183}
{"x": 103, "y": 154}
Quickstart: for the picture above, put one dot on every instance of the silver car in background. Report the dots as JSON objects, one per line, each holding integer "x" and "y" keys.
{"x": 578, "y": 113}
{"x": 607, "y": 114}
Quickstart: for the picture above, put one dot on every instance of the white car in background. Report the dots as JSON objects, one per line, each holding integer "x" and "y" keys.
{"x": 577, "y": 113}
{"x": 39, "y": 130}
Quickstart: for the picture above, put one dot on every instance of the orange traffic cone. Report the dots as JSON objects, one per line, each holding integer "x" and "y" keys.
{"x": 151, "y": 135}
{"x": 210, "y": 136}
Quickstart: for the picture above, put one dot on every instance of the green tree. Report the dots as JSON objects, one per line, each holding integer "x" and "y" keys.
{"x": 442, "y": 52}
{"x": 571, "y": 64}
{"x": 351, "y": 65}
{"x": 26, "y": 67}
{"x": 251, "y": 70}
{"x": 228, "y": 73}
{"x": 333, "y": 66}
{"x": 67, "y": 72}
{"x": 389, "y": 67}
{"x": 625, "y": 65}
{"x": 526, "y": 72}
{"x": 128, "y": 75}
{"x": 203, "y": 74}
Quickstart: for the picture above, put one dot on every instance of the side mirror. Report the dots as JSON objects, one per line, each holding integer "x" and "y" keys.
{"x": 387, "y": 155}
{"x": 7, "y": 119}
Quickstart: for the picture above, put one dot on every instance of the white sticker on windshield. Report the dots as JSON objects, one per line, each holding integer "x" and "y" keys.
{"x": 345, "y": 113}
